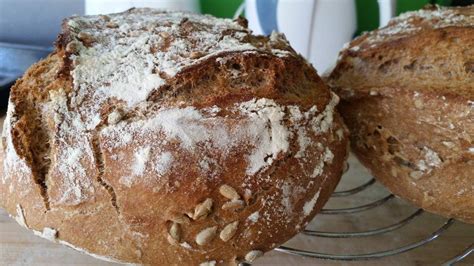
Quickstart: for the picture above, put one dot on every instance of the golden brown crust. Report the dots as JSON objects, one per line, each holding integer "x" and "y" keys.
{"x": 229, "y": 157}
{"x": 422, "y": 158}
{"x": 408, "y": 94}
{"x": 430, "y": 50}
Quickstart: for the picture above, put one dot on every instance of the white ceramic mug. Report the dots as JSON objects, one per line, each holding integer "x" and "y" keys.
{"x": 317, "y": 29}
{"x": 94, "y": 7}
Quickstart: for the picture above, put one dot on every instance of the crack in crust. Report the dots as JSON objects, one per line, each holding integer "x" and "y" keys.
{"x": 32, "y": 141}
{"x": 43, "y": 159}
{"x": 99, "y": 161}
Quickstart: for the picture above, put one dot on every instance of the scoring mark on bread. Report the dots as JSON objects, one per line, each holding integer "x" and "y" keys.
{"x": 28, "y": 140}
{"x": 99, "y": 161}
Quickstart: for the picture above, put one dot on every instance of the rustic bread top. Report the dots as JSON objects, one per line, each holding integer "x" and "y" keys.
{"x": 146, "y": 68}
{"x": 411, "y": 23}
{"x": 431, "y": 49}
{"x": 129, "y": 55}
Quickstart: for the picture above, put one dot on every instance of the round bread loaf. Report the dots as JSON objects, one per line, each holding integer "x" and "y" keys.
{"x": 170, "y": 139}
{"x": 408, "y": 99}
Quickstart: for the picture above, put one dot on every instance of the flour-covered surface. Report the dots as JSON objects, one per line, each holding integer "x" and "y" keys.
{"x": 426, "y": 50}
{"x": 124, "y": 57}
{"x": 128, "y": 55}
{"x": 12, "y": 162}
{"x": 411, "y": 23}
{"x": 259, "y": 130}
{"x": 19, "y": 246}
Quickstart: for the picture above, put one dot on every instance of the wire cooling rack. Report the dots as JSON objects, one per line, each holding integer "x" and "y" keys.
{"x": 394, "y": 227}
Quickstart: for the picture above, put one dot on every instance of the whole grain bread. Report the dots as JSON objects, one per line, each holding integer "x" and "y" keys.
{"x": 170, "y": 139}
{"x": 408, "y": 99}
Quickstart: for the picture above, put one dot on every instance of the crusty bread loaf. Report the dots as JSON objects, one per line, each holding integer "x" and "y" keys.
{"x": 408, "y": 99}
{"x": 170, "y": 139}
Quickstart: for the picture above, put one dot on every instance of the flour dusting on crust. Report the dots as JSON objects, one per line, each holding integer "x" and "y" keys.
{"x": 20, "y": 216}
{"x": 72, "y": 156}
{"x": 431, "y": 160}
{"x": 260, "y": 127}
{"x": 267, "y": 113}
{"x": 309, "y": 206}
{"x": 145, "y": 48}
{"x": 12, "y": 162}
{"x": 47, "y": 233}
{"x": 410, "y": 23}
{"x": 138, "y": 54}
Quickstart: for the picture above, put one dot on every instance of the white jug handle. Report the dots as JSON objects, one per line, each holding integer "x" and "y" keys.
{"x": 387, "y": 9}
{"x": 240, "y": 10}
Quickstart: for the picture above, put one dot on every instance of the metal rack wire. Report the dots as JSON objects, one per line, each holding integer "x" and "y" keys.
{"x": 372, "y": 232}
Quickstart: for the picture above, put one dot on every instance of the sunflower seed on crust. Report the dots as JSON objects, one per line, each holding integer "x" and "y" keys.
{"x": 180, "y": 219}
{"x": 208, "y": 263}
{"x": 195, "y": 54}
{"x": 85, "y": 38}
{"x": 175, "y": 232}
{"x": 229, "y": 192}
{"x": 203, "y": 209}
{"x": 206, "y": 235}
{"x": 171, "y": 240}
{"x": 114, "y": 117}
{"x": 105, "y": 17}
{"x": 229, "y": 231}
{"x": 233, "y": 205}
{"x": 111, "y": 25}
{"x": 72, "y": 47}
{"x": 253, "y": 255}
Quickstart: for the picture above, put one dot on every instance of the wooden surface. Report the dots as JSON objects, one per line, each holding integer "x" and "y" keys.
{"x": 18, "y": 246}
